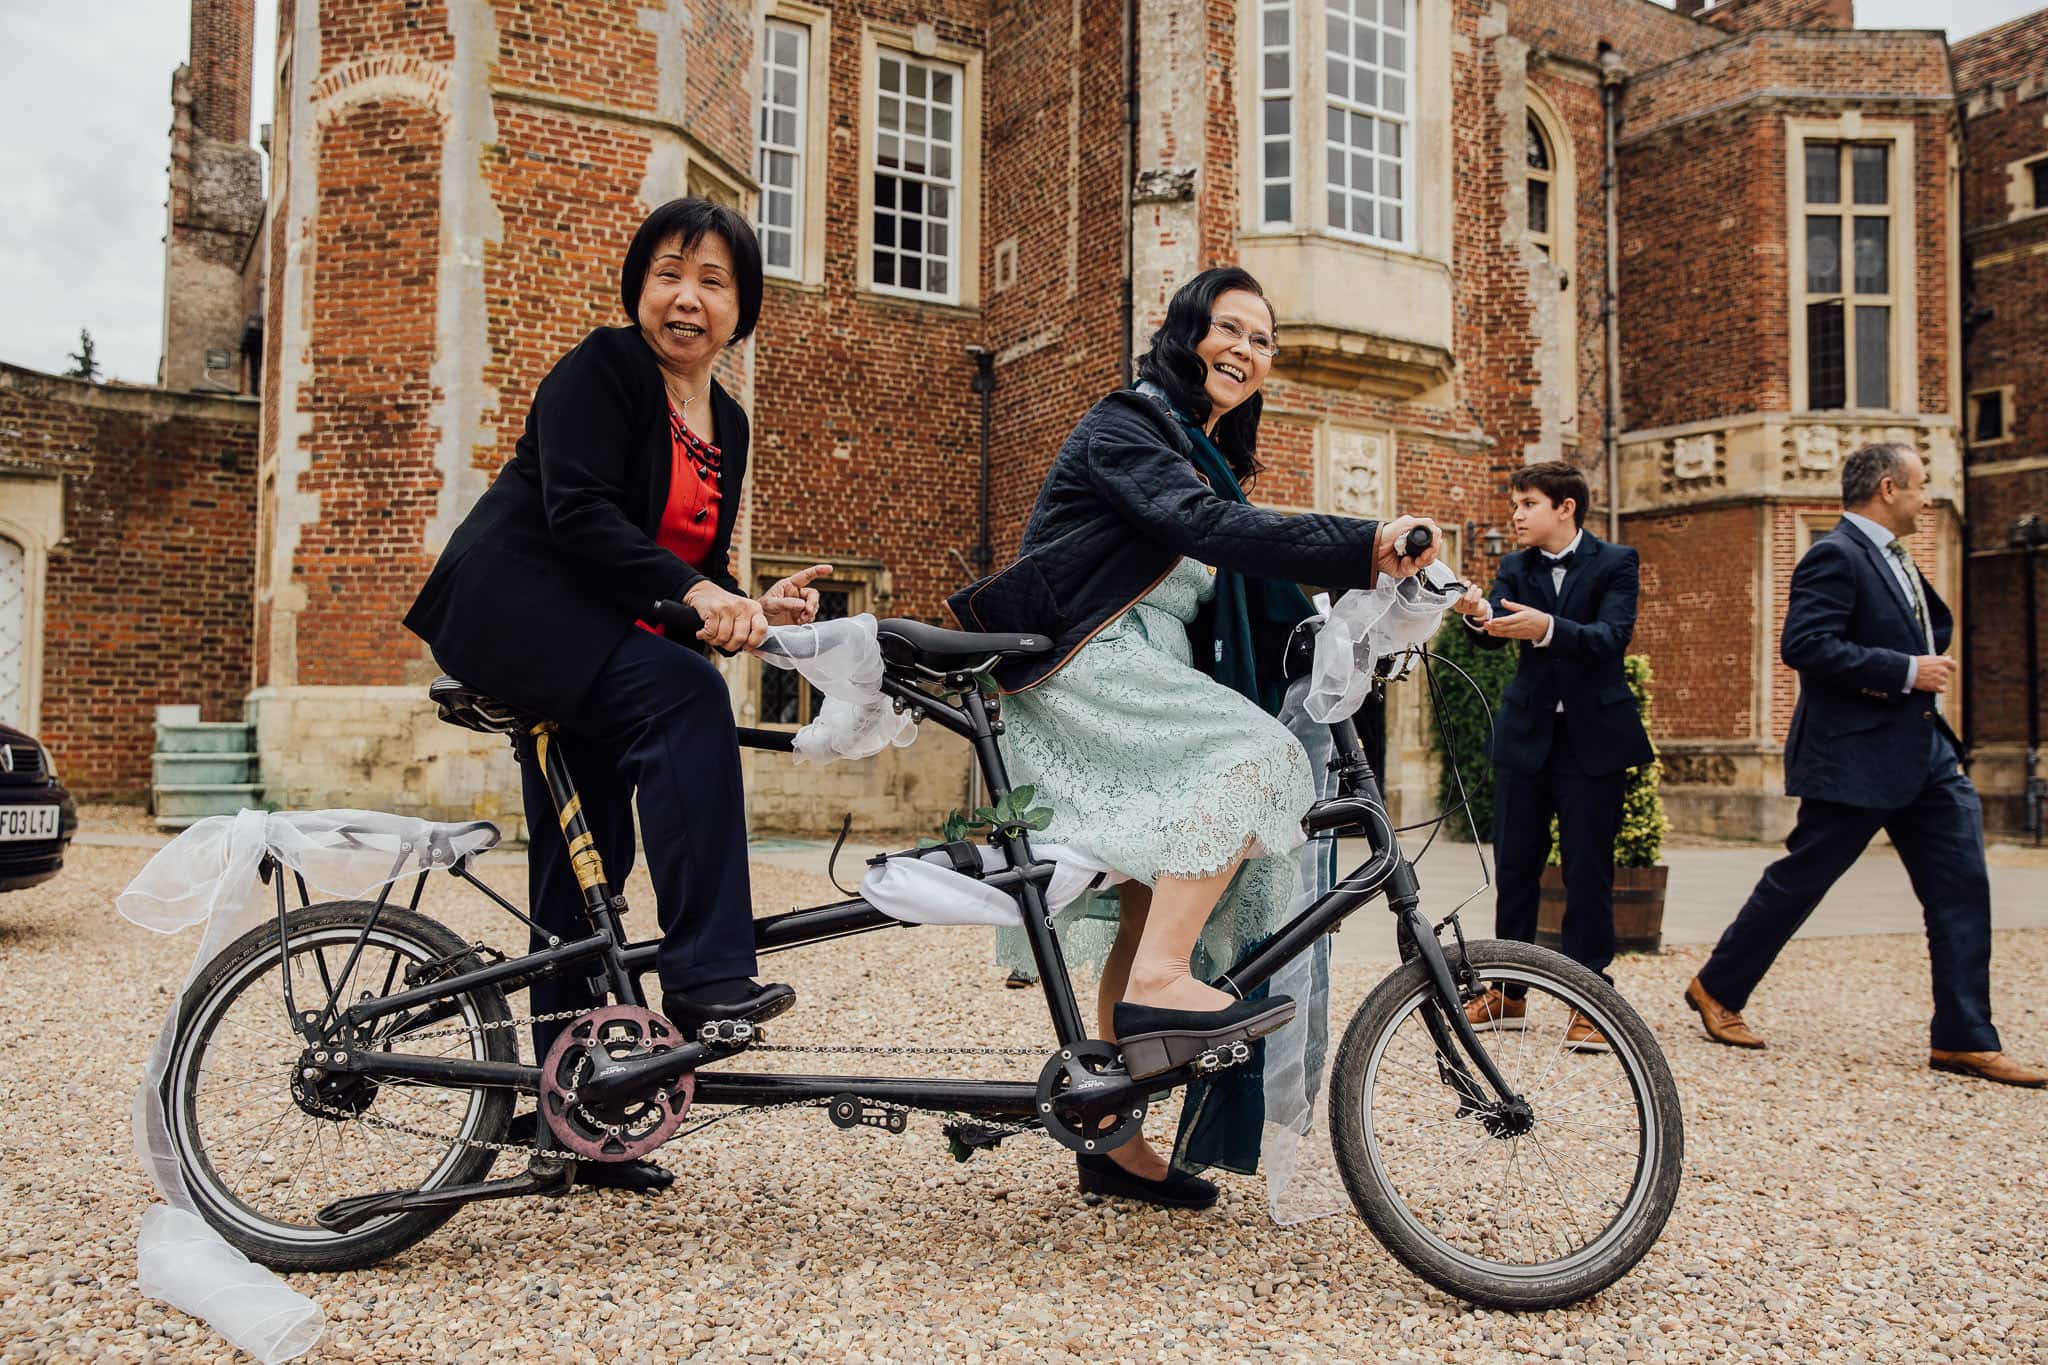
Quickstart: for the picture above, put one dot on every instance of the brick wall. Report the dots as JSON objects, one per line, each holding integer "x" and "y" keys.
{"x": 1743, "y": 16}
{"x": 147, "y": 594}
{"x": 1642, "y": 33}
{"x": 2000, "y": 79}
{"x": 1699, "y": 580}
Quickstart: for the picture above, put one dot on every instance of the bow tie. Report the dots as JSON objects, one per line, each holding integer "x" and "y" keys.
{"x": 1563, "y": 561}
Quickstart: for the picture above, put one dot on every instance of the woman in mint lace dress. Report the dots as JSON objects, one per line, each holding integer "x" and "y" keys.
{"x": 1149, "y": 728}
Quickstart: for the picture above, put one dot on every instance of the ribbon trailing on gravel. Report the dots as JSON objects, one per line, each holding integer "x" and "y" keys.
{"x": 208, "y": 876}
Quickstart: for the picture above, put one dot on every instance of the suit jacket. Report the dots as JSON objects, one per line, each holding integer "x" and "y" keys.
{"x": 1595, "y": 615}
{"x": 557, "y": 559}
{"x": 1856, "y": 738}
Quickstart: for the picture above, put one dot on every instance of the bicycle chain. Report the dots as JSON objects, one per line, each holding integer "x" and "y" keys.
{"x": 559, "y": 1015}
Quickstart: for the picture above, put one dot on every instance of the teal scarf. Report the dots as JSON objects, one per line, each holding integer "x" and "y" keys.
{"x": 1242, "y": 600}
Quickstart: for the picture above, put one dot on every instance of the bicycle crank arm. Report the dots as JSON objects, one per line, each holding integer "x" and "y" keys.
{"x": 545, "y": 1176}
{"x": 620, "y": 1082}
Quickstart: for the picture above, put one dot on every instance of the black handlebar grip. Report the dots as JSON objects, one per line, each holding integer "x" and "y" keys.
{"x": 1415, "y": 542}
{"x": 679, "y": 621}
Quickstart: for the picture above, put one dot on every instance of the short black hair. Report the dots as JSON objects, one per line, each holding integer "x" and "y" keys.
{"x": 1173, "y": 365}
{"x": 691, "y": 219}
{"x": 1866, "y": 470}
{"x": 1555, "y": 480}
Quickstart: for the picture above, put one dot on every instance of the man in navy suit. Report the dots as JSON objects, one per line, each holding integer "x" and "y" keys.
{"x": 1870, "y": 749}
{"x": 1567, "y": 731}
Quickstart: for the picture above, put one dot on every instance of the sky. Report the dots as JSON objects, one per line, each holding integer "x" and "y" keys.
{"x": 87, "y": 117}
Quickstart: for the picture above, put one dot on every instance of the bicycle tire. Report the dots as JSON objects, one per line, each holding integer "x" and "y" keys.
{"x": 1623, "y": 1241}
{"x": 250, "y": 959}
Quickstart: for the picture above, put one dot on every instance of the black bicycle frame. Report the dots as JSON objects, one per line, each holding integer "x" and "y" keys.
{"x": 605, "y": 954}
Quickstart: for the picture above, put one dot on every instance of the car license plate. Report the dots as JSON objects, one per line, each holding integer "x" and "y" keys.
{"x": 28, "y": 822}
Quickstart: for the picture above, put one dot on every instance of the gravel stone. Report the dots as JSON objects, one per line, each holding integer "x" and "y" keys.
{"x": 1841, "y": 1202}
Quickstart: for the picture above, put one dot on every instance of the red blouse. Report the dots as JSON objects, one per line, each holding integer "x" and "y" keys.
{"x": 689, "y": 520}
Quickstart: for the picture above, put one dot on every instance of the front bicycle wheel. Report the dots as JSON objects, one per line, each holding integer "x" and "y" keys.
{"x": 263, "y": 1148}
{"x": 1506, "y": 1208}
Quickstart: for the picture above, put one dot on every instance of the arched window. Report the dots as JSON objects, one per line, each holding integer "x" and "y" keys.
{"x": 1542, "y": 176}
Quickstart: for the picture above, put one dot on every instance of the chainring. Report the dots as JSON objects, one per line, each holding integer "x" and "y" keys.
{"x": 1076, "y": 1120}
{"x": 628, "y": 1129}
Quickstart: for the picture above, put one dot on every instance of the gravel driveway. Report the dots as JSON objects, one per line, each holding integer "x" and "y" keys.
{"x": 1841, "y": 1202}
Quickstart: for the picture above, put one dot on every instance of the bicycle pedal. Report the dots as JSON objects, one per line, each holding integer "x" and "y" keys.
{"x": 728, "y": 1033}
{"x": 1221, "y": 1058}
{"x": 965, "y": 1139}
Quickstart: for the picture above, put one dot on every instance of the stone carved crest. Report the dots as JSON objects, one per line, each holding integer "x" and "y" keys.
{"x": 1361, "y": 470}
{"x": 1695, "y": 457}
{"x": 1815, "y": 449}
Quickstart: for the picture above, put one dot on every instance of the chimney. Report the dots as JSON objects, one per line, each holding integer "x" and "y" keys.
{"x": 223, "y": 56}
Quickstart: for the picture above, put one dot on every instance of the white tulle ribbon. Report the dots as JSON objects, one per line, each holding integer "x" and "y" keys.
{"x": 842, "y": 659}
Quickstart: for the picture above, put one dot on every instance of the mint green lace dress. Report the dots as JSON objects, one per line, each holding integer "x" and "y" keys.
{"x": 1153, "y": 768}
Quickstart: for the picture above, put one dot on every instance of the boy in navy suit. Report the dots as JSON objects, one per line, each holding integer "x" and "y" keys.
{"x": 1869, "y": 749}
{"x": 1567, "y": 731}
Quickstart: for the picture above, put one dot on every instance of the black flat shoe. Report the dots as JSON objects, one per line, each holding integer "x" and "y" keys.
{"x": 1100, "y": 1175}
{"x": 643, "y": 1177}
{"x": 1157, "y": 1040}
{"x": 736, "y": 999}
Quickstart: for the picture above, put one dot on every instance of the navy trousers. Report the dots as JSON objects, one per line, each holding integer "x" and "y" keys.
{"x": 1940, "y": 839}
{"x": 1588, "y": 810}
{"x": 657, "y": 722}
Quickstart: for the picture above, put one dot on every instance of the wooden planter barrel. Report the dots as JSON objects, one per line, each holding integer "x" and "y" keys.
{"x": 1638, "y": 908}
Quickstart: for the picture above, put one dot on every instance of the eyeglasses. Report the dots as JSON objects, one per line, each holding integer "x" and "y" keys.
{"x": 1258, "y": 341}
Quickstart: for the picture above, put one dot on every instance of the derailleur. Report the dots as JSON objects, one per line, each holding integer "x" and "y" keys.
{"x": 851, "y": 1111}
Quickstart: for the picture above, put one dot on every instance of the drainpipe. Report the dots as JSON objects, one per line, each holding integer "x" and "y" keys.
{"x": 1127, "y": 306}
{"x": 984, "y": 383}
{"x": 1612, "y": 82}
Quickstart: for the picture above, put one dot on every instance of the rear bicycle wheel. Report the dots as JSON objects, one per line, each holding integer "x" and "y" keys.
{"x": 262, "y": 1152}
{"x": 1510, "y": 1214}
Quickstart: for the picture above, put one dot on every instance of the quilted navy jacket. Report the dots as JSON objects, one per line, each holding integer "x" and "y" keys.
{"x": 1120, "y": 506}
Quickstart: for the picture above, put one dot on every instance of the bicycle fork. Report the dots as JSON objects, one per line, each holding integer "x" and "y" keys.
{"x": 1451, "y": 1031}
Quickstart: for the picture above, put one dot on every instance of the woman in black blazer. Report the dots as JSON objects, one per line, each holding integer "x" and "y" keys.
{"x": 622, "y": 491}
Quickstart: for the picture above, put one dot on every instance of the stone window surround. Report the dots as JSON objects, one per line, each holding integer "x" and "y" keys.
{"x": 1427, "y": 219}
{"x": 921, "y": 43}
{"x": 2004, "y": 394}
{"x": 2019, "y": 187}
{"x": 1853, "y": 126}
{"x": 868, "y": 586}
{"x": 32, "y": 516}
{"x": 1394, "y": 294}
{"x": 816, "y": 133}
{"x": 1564, "y": 247}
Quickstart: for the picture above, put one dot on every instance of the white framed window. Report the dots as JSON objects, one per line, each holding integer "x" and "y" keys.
{"x": 915, "y": 154}
{"x": 1276, "y": 112}
{"x": 1990, "y": 416}
{"x": 780, "y": 151}
{"x": 1368, "y": 104}
{"x": 1849, "y": 290}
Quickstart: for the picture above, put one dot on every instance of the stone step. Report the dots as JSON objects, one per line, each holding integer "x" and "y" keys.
{"x": 205, "y": 737}
{"x": 183, "y": 769}
{"x": 179, "y": 805}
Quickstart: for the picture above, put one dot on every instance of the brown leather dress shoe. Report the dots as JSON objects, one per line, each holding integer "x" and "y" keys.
{"x": 1991, "y": 1066}
{"x": 1722, "y": 1025}
{"x": 1493, "y": 1010}
{"x": 1581, "y": 1036}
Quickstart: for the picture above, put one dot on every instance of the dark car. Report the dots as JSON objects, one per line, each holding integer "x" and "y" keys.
{"x": 37, "y": 818}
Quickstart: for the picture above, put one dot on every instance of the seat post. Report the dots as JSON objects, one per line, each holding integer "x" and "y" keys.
{"x": 584, "y": 859}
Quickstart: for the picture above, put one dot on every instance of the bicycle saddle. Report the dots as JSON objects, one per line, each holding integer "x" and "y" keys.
{"x": 907, "y": 642}
{"x": 461, "y": 704}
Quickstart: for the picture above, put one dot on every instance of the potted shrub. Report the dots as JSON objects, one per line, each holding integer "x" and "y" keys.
{"x": 1639, "y": 878}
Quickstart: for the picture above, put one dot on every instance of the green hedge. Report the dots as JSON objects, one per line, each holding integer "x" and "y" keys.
{"x": 1459, "y": 716}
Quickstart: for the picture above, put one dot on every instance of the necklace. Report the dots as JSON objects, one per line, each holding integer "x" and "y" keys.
{"x": 683, "y": 404}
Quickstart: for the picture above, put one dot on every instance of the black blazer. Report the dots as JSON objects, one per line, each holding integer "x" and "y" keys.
{"x": 1595, "y": 615}
{"x": 557, "y": 559}
{"x": 1856, "y": 738}
{"x": 1120, "y": 506}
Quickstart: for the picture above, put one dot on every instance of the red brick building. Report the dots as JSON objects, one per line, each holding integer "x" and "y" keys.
{"x": 984, "y": 192}
{"x": 2001, "y": 80}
